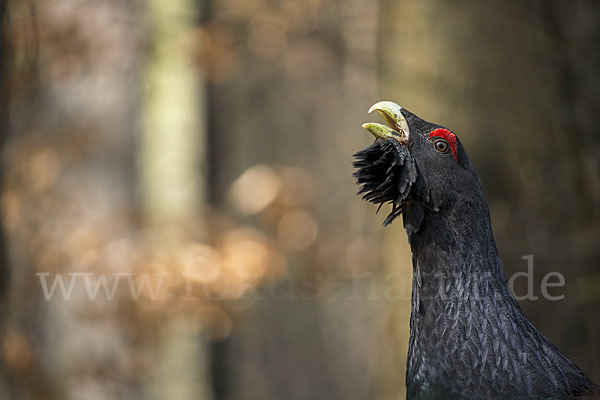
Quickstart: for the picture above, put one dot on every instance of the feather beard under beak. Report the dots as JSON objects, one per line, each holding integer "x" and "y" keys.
{"x": 385, "y": 171}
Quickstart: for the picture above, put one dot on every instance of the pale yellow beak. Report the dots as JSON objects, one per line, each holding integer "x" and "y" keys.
{"x": 397, "y": 127}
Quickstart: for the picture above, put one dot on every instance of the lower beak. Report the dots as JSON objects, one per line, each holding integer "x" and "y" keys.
{"x": 396, "y": 128}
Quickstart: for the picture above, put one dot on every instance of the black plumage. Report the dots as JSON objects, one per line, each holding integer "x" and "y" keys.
{"x": 468, "y": 337}
{"x": 386, "y": 171}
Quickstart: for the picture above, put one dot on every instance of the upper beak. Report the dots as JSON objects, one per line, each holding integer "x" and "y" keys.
{"x": 396, "y": 128}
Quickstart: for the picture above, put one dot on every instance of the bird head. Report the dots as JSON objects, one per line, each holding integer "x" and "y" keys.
{"x": 414, "y": 165}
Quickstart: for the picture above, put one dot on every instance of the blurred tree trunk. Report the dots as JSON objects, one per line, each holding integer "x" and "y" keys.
{"x": 4, "y": 269}
{"x": 67, "y": 195}
{"x": 518, "y": 81}
{"x": 173, "y": 185}
{"x": 4, "y": 73}
{"x": 293, "y": 99}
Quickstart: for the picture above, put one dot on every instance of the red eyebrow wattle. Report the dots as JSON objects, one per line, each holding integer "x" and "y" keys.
{"x": 450, "y": 138}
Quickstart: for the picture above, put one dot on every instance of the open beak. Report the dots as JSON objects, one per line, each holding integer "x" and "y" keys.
{"x": 396, "y": 128}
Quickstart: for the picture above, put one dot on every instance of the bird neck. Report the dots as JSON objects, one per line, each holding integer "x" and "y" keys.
{"x": 455, "y": 264}
{"x": 464, "y": 322}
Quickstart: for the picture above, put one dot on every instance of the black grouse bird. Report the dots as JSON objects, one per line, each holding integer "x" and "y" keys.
{"x": 468, "y": 337}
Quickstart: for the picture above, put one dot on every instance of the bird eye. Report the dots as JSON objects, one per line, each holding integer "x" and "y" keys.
{"x": 441, "y": 145}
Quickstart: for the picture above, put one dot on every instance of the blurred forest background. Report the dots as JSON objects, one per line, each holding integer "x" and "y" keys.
{"x": 205, "y": 146}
